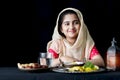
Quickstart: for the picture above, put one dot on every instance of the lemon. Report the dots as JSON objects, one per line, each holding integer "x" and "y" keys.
{"x": 88, "y": 69}
{"x": 96, "y": 67}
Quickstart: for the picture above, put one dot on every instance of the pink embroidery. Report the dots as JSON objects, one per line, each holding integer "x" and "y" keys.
{"x": 94, "y": 52}
{"x": 55, "y": 55}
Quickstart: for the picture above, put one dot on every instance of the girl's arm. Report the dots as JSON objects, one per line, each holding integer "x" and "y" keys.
{"x": 96, "y": 58}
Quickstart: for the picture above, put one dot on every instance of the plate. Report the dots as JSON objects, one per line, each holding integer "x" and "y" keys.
{"x": 65, "y": 70}
{"x": 32, "y": 68}
{"x": 36, "y": 70}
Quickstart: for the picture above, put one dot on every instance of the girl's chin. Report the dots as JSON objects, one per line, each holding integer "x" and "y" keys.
{"x": 73, "y": 36}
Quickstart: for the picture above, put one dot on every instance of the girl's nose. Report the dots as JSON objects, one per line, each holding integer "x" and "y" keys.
{"x": 71, "y": 25}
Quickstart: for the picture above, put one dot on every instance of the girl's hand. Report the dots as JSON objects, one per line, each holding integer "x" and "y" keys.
{"x": 67, "y": 59}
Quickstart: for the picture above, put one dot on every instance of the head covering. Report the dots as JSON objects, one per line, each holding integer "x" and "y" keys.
{"x": 84, "y": 40}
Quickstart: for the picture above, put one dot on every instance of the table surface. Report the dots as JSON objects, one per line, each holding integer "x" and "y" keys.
{"x": 13, "y": 73}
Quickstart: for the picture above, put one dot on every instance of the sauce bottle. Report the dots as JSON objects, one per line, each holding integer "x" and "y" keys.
{"x": 113, "y": 56}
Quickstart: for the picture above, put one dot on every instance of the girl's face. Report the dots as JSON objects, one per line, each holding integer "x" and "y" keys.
{"x": 70, "y": 26}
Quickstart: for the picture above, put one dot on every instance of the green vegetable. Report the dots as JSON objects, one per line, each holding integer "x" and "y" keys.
{"x": 88, "y": 64}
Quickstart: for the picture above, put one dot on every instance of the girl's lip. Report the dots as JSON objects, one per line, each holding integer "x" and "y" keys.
{"x": 72, "y": 31}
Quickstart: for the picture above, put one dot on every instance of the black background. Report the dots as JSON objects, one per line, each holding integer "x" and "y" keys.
{"x": 26, "y": 29}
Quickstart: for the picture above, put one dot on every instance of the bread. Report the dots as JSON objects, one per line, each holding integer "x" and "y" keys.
{"x": 28, "y": 65}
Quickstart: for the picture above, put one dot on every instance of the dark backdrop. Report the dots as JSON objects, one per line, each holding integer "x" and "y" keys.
{"x": 27, "y": 28}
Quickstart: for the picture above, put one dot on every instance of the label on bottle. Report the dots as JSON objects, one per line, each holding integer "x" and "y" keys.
{"x": 111, "y": 62}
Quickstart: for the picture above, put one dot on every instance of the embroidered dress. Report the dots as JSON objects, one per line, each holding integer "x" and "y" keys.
{"x": 52, "y": 50}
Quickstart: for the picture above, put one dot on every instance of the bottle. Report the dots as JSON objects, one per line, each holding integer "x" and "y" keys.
{"x": 113, "y": 57}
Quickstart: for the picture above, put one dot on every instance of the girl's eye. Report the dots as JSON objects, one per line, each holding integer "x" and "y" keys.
{"x": 66, "y": 24}
{"x": 76, "y": 22}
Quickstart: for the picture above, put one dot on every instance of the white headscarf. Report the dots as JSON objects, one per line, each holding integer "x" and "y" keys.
{"x": 84, "y": 40}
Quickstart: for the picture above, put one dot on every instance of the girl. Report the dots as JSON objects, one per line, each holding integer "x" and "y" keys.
{"x": 71, "y": 40}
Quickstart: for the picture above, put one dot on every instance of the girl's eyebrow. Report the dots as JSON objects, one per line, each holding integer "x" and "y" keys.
{"x": 76, "y": 20}
{"x": 66, "y": 21}
{"x": 69, "y": 21}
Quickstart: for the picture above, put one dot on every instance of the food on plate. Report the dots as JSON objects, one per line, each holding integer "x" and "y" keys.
{"x": 76, "y": 68}
{"x": 30, "y": 65}
{"x": 87, "y": 67}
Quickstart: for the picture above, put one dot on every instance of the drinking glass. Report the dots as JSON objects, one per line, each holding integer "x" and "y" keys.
{"x": 45, "y": 59}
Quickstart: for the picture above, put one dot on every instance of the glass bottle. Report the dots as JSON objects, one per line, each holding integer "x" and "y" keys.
{"x": 113, "y": 56}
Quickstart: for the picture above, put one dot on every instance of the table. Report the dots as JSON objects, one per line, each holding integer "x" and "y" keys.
{"x": 13, "y": 73}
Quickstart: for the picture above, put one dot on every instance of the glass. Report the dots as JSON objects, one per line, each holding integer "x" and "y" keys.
{"x": 45, "y": 59}
{"x": 49, "y": 61}
{"x": 42, "y": 58}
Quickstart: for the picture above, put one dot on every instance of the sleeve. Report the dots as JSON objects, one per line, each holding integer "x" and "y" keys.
{"x": 54, "y": 54}
{"x": 94, "y": 52}
{"x": 54, "y": 49}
